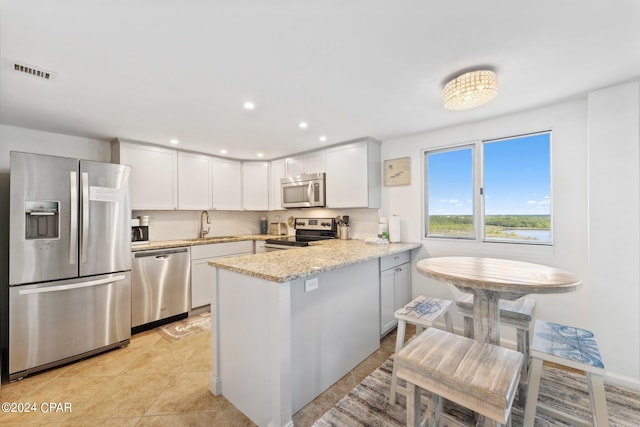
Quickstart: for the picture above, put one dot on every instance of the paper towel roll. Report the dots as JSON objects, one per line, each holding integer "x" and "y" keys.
{"x": 394, "y": 228}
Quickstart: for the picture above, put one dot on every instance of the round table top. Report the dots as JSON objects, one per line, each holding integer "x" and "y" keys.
{"x": 500, "y": 275}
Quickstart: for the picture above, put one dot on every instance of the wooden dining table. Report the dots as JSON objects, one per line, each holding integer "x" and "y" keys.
{"x": 492, "y": 279}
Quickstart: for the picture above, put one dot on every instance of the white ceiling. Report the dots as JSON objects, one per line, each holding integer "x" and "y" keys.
{"x": 152, "y": 70}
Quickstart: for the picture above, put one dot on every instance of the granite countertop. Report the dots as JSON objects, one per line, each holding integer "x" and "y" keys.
{"x": 166, "y": 244}
{"x": 286, "y": 265}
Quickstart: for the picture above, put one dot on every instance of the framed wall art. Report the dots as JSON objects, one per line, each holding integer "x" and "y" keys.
{"x": 397, "y": 171}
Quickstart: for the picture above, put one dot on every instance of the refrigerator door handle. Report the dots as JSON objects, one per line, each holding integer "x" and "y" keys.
{"x": 73, "y": 217}
{"x": 72, "y": 286}
{"x": 85, "y": 216}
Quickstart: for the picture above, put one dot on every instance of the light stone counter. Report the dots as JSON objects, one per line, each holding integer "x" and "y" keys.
{"x": 287, "y": 265}
{"x": 166, "y": 244}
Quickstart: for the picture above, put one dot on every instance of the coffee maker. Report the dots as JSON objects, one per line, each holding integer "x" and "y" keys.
{"x": 139, "y": 233}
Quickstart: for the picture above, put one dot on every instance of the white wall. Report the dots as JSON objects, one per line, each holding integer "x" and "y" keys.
{"x": 576, "y": 163}
{"x": 614, "y": 224}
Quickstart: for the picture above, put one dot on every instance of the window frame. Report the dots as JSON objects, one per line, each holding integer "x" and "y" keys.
{"x": 479, "y": 214}
{"x": 474, "y": 189}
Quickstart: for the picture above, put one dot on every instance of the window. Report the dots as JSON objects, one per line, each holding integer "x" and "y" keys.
{"x": 450, "y": 193}
{"x": 509, "y": 200}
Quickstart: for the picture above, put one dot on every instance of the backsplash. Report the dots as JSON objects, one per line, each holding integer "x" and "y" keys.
{"x": 175, "y": 225}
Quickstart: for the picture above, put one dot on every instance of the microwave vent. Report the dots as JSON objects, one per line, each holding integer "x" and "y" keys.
{"x": 31, "y": 70}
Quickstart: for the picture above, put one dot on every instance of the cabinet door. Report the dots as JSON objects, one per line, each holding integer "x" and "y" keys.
{"x": 255, "y": 184}
{"x": 153, "y": 183}
{"x": 347, "y": 179}
{"x": 403, "y": 285}
{"x": 203, "y": 278}
{"x": 227, "y": 184}
{"x": 194, "y": 181}
{"x": 275, "y": 195}
{"x": 387, "y": 300}
{"x": 314, "y": 162}
{"x": 294, "y": 166}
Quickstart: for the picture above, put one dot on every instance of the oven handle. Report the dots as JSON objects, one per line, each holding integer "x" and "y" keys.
{"x": 275, "y": 246}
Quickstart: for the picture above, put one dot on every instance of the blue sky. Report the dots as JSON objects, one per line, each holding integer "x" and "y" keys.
{"x": 517, "y": 178}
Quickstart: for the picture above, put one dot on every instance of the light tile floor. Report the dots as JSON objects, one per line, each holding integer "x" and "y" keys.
{"x": 153, "y": 382}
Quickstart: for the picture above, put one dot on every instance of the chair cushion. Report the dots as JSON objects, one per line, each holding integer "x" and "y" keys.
{"x": 423, "y": 310}
{"x": 566, "y": 342}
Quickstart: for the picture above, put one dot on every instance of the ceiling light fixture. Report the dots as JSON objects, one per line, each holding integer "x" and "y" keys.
{"x": 223, "y": 151}
{"x": 249, "y": 106}
{"x": 174, "y": 141}
{"x": 260, "y": 155}
{"x": 469, "y": 90}
{"x": 322, "y": 138}
{"x": 303, "y": 125}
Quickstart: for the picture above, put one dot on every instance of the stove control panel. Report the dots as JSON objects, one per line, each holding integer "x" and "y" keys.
{"x": 327, "y": 224}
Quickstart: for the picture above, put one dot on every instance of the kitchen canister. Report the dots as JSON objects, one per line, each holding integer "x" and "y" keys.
{"x": 383, "y": 227}
{"x": 263, "y": 225}
{"x": 394, "y": 228}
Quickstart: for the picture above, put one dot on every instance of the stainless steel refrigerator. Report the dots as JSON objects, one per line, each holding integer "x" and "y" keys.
{"x": 69, "y": 260}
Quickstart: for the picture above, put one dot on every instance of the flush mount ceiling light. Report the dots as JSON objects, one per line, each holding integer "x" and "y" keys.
{"x": 469, "y": 90}
{"x": 249, "y": 106}
{"x": 303, "y": 125}
{"x": 174, "y": 141}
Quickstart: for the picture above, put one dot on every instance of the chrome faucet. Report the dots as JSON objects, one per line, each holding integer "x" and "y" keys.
{"x": 202, "y": 230}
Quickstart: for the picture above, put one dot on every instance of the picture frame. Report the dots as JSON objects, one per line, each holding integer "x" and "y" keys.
{"x": 397, "y": 171}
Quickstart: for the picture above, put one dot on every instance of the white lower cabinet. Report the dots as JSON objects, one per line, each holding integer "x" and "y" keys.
{"x": 395, "y": 287}
{"x": 203, "y": 276}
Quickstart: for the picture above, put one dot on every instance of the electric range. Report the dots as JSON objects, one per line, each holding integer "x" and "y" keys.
{"x": 307, "y": 230}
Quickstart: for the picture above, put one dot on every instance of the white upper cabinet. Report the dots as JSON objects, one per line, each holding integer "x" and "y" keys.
{"x": 194, "y": 181}
{"x": 275, "y": 195}
{"x": 153, "y": 183}
{"x": 255, "y": 186}
{"x": 227, "y": 184}
{"x": 354, "y": 175}
{"x": 306, "y": 163}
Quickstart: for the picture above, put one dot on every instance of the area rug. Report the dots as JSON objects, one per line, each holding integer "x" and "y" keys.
{"x": 186, "y": 327}
{"x": 367, "y": 404}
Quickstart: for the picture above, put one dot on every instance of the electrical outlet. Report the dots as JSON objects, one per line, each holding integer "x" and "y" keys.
{"x": 311, "y": 284}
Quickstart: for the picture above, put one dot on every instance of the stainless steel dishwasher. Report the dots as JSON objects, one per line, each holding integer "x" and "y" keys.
{"x": 159, "y": 284}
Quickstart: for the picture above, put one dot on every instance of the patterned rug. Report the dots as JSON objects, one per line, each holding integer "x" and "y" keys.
{"x": 186, "y": 327}
{"x": 368, "y": 405}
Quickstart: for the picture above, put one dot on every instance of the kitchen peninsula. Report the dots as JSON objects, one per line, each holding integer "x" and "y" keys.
{"x": 288, "y": 324}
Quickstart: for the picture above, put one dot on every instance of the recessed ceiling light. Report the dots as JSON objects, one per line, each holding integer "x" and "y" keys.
{"x": 303, "y": 125}
{"x": 323, "y": 138}
{"x": 174, "y": 141}
{"x": 260, "y": 155}
{"x": 223, "y": 151}
{"x": 249, "y": 105}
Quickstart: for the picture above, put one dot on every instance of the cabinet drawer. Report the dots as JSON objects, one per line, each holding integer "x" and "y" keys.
{"x": 221, "y": 249}
{"x": 394, "y": 260}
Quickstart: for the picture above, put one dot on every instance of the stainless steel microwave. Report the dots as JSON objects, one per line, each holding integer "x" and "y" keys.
{"x": 303, "y": 191}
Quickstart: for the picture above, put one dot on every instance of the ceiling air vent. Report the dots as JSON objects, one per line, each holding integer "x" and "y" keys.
{"x": 31, "y": 70}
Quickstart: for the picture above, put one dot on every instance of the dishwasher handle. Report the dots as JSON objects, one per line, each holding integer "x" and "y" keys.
{"x": 160, "y": 254}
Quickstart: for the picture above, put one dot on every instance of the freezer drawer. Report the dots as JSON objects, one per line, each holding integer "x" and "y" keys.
{"x": 56, "y": 322}
{"x": 160, "y": 286}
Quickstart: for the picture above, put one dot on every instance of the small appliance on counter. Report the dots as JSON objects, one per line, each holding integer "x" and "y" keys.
{"x": 278, "y": 228}
{"x": 139, "y": 233}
